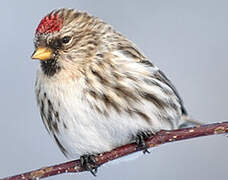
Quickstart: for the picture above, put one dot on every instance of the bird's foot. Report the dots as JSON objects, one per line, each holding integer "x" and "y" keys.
{"x": 140, "y": 140}
{"x": 88, "y": 162}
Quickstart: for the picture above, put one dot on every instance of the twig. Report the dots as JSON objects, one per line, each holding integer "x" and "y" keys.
{"x": 160, "y": 138}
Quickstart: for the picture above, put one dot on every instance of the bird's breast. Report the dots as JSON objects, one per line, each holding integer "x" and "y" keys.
{"x": 80, "y": 122}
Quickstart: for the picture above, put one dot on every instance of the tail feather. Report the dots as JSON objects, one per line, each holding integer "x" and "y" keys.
{"x": 189, "y": 122}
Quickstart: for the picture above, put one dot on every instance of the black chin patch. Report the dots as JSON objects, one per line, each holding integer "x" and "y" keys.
{"x": 50, "y": 67}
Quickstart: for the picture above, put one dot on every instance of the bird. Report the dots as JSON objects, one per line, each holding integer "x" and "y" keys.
{"x": 96, "y": 90}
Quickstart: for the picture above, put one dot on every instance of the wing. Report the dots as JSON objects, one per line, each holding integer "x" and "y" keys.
{"x": 162, "y": 77}
{"x": 131, "y": 52}
{"x": 125, "y": 82}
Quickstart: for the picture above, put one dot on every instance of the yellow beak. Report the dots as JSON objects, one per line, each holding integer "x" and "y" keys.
{"x": 42, "y": 53}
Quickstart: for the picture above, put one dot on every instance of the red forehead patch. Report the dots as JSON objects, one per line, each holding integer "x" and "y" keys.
{"x": 50, "y": 23}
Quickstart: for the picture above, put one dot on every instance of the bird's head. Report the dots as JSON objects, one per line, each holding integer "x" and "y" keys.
{"x": 66, "y": 38}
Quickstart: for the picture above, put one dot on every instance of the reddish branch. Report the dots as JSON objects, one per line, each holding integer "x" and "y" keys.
{"x": 160, "y": 138}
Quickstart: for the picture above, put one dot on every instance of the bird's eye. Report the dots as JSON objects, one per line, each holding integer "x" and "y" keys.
{"x": 66, "y": 39}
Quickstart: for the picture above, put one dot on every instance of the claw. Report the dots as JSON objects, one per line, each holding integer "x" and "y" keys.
{"x": 146, "y": 151}
{"x": 141, "y": 141}
{"x": 89, "y": 163}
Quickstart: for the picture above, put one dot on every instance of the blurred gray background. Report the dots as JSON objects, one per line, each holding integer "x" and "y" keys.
{"x": 188, "y": 40}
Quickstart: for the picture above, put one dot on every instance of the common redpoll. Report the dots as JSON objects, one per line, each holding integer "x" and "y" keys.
{"x": 96, "y": 90}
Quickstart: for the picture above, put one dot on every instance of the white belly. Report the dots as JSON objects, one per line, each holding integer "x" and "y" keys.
{"x": 80, "y": 129}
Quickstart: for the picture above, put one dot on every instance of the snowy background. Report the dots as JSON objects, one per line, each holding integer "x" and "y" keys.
{"x": 188, "y": 40}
